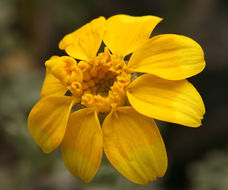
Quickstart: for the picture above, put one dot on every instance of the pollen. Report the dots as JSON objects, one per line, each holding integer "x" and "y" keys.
{"x": 104, "y": 82}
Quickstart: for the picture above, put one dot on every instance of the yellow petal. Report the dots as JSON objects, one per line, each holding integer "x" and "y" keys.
{"x": 52, "y": 86}
{"x": 47, "y": 121}
{"x": 172, "y": 101}
{"x": 168, "y": 56}
{"x": 125, "y": 33}
{"x": 84, "y": 43}
{"x": 134, "y": 146}
{"x": 82, "y": 146}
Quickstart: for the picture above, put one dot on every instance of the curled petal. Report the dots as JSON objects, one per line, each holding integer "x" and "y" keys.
{"x": 65, "y": 69}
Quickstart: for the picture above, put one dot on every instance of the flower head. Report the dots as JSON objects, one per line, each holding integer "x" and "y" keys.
{"x": 104, "y": 84}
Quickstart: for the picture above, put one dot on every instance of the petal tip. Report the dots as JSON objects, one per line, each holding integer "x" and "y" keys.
{"x": 47, "y": 150}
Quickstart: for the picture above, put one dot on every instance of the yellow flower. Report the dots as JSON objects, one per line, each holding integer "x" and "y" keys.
{"x": 105, "y": 85}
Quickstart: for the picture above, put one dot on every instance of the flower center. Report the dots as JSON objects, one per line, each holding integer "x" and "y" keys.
{"x": 104, "y": 82}
{"x": 99, "y": 83}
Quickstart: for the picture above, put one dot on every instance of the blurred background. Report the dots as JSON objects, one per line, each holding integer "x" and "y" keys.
{"x": 29, "y": 34}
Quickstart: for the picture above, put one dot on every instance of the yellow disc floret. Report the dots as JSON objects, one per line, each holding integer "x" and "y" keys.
{"x": 104, "y": 82}
{"x": 99, "y": 83}
{"x": 65, "y": 69}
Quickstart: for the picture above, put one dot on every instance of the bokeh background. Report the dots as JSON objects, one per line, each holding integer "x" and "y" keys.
{"x": 29, "y": 34}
